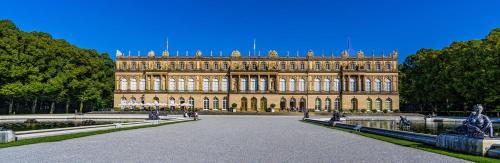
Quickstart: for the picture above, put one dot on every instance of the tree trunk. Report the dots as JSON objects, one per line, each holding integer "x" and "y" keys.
{"x": 33, "y": 107}
{"x": 52, "y": 105}
{"x": 81, "y": 106}
{"x": 10, "y": 105}
{"x": 67, "y": 107}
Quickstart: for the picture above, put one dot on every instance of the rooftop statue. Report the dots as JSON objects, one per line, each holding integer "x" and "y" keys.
{"x": 476, "y": 125}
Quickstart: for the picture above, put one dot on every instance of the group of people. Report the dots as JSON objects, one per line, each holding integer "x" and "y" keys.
{"x": 292, "y": 109}
{"x": 191, "y": 113}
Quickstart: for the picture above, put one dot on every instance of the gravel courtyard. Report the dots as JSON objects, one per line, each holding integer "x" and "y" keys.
{"x": 223, "y": 139}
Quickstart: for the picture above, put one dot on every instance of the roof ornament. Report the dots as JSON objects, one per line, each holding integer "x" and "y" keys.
{"x": 129, "y": 53}
{"x": 165, "y": 53}
{"x": 151, "y": 53}
{"x": 118, "y": 53}
{"x": 310, "y": 54}
{"x": 360, "y": 54}
{"x": 394, "y": 54}
{"x": 199, "y": 54}
{"x": 272, "y": 54}
{"x": 235, "y": 53}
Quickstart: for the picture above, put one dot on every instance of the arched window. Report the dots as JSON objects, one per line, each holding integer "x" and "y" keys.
{"x": 124, "y": 84}
{"x": 292, "y": 85}
{"x": 244, "y": 83}
{"x": 328, "y": 104}
{"x": 224, "y": 103}
{"x": 368, "y": 85}
{"x": 181, "y": 100}
{"x": 157, "y": 83}
{"x": 317, "y": 104}
{"x": 172, "y": 103}
{"x": 215, "y": 84}
{"x": 388, "y": 85}
{"x": 244, "y": 104}
{"x": 181, "y": 84}
{"x": 216, "y": 103}
{"x": 133, "y": 84}
{"x": 171, "y": 84}
{"x": 205, "y": 84}
{"x": 123, "y": 103}
{"x": 368, "y": 104}
{"x": 302, "y": 85}
{"x": 317, "y": 85}
{"x": 378, "y": 104}
{"x": 206, "y": 103}
{"x": 191, "y": 84}
{"x": 142, "y": 86}
{"x": 253, "y": 84}
{"x": 337, "y": 104}
{"x": 388, "y": 104}
{"x": 224, "y": 84}
{"x": 326, "y": 85}
{"x": 191, "y": 102}
{"x": 336, "y": 83}
{"x": 282, "y": 84}
{"x": 354, "y": 104}
{"x": 378, "y": 85}
{"x": 263, "y": 84}
{"x": 352, "y": 85}
{"x": 216, "y": 66}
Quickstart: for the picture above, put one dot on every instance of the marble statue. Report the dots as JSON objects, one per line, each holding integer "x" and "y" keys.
{"x": 476, "y": 125}
{"x": 404, "y": 123}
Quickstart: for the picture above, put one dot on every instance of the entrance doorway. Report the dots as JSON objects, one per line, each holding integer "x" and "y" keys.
{"x": 302, "y": 104}
{"x": 293, "y": 104}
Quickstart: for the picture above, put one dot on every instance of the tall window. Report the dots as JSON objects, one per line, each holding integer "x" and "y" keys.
{"x": 181, "y": 65}
{"x": 215, "y": 84}
{"x": 216, "y": 66}
{"x": 191, "y": 102}
{"x": 302, "y": 66}
{"x": 336, "y": 84}
{"x": 368, "y": 85}
{"x": 292, "y": 66}
{"x": 157, "y": 83}
{"x": 253, "y": 84}
{"x": 353, "y": 66}
{"x": 191, "y": 84}
{"x": 226, "y": 66}
{"x": 224, "y": 84}
{"x": 206, "y": 66}
{"x": 205, "y": 84}
{"x": 172, "y": 65}
{"x": 337, "y": 104}
{"x": 283, "y": 65}
{"x": 302, "y": 85}
{"x": 282, "y": 84}
{"x": 388, "y": 104}
{"x": 377, "y": 65}
{"x": 328, "y": 104}
{"x": 327, "y": 85}
{"x": 133, "y": 84}
{"x": 254, "y": 66}
{"x": 378, "y": 85}
{"x": 216, "y": 103}
{"x": 142, "y": 86}
{"x": 263, "y": 66}
{"x": 171, "y": 84}
{"x": 124, "y": 84}
{"x": 263, "y": 84}
{"x": 378, "y": 104}
{"x": 318, "y": 66}
{"x": 292, "y": 85}
{"x": 389, "y": 66}
{"x": 317, "y": 104}
{"x": 368, "y": 66}
{"x": 352, "y": 85}
{"x": 369, "y": 104}
{"x": 206, "y": 103}
{"x": 133, "y": 65}
{"x": 317, "y": 85}
{"x": 224, "y": 103}
{"x": 181, "y": 84}
{"x": 337, "y": 66}
{"x": 244, "y": 83}
{"x": 191, "y": 65}
{"x": 388, "y": 85}
{"x": 327, "y": 66}
{"x": 158, "y": 65}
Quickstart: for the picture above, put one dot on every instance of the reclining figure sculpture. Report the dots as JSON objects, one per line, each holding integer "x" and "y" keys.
{"x": 476, "y": 125}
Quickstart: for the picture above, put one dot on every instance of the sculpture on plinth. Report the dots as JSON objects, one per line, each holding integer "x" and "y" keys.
{"x": 335, "y": 117}
{"x": 476, "y": 125}
{"x": 404, "y": 123}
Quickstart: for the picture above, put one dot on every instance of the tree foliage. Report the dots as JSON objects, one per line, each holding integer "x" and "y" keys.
{"x": 40, "y": 74}
{"x": 454, "y": 78}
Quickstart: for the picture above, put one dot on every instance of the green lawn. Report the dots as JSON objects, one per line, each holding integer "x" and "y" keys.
{"x": 418, "y": 145}
{"x": 76, "y": 135}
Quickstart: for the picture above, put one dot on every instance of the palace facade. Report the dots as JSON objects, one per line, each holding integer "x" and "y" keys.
{"x": 254, "y": 83}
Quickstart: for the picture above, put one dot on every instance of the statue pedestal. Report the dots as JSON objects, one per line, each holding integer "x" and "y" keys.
{"x": 461, "y": 143}
{"x": 7, "y": 136}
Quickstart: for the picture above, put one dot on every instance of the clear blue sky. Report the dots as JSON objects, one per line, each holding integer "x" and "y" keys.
{"x": 288, "y": 25}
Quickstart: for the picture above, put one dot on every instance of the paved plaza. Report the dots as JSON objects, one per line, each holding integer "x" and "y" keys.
{"x": 223, "y": 139}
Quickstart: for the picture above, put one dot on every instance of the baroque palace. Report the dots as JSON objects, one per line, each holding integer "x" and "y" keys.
{"x": 254, "y": 83}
